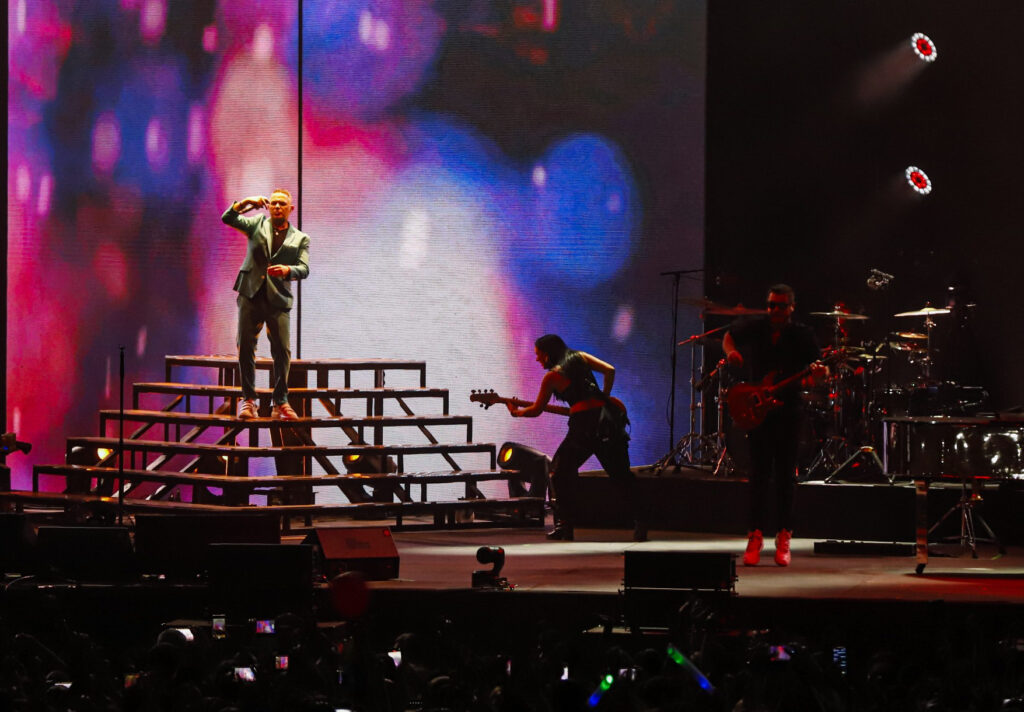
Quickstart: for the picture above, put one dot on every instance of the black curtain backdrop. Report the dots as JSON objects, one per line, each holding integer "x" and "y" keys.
{"x": 814, "y": 112}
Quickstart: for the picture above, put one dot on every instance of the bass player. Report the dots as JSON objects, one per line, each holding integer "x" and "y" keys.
{"x": 593, "y": 430}
{"x": 772, "y": 347}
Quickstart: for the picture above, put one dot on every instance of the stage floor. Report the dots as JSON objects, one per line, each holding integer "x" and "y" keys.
{"x": 593, "y": 564}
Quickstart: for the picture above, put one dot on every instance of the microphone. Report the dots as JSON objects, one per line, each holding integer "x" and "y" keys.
{"x": 877, "y": 279}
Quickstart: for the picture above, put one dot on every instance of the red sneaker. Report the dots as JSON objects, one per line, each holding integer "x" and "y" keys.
{"x": 284, "y": 412}
{"x": 755, "y": 542}
{"x": 782, "y": 553}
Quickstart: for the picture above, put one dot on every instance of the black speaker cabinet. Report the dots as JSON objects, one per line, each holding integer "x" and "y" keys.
{"x": 102, "y": 554}
{"x": 368, "y": 550}
{"x": 176, "y": 545}
{"x": 17, "y": 544}
{"x": 657, "y": 583}
{"x": 680, "y": 570}
{"x": 260, "y": 580}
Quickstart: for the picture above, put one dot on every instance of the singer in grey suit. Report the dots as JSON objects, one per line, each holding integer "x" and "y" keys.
{"x": 276, "y": 254}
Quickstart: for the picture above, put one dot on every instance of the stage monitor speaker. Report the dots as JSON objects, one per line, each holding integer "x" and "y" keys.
{"x": 17, "y": 544}
{"x": 101, "y": 554}
{"x": 176, "y": 545}
{"x": 658, "y": 583}
{"x": 260, "y": 580}
{"x": 368, "y": 550}
{"x": 680, "y": 570}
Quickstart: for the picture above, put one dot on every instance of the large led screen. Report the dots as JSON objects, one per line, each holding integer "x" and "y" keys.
{"x": 472, "y": 175}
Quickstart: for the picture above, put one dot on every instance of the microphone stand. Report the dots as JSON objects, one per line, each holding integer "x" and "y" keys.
{"x": 694, "y": 447}
{"x": 676, "y": 275}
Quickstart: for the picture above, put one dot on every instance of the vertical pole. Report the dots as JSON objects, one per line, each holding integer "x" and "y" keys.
{"x": 672, "y": 386}
{"x": 298, "y": 314}
{"x": 120, "y": 449}
{"x": 3, "y": 336}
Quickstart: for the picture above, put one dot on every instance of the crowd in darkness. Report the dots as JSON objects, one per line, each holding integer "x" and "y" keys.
{"x": 701, "y": 663}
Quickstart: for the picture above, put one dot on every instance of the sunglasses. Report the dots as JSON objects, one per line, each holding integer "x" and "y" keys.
{"x": 778, "y": 305}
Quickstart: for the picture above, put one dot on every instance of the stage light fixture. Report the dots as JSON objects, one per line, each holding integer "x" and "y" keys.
{"x": 493, "y": 555}
{"x": 918, "y": 180}
{"x": 9, "y": 443}
{"x": 489, "y": 578}
{"x": 924, "y": 47}
{"x": 359, "y": 464}
{"x": 534, "y": 464}
{"x": 80, "y": 455}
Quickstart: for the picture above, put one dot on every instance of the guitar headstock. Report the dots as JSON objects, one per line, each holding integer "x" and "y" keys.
{"x": 485, "y": 397}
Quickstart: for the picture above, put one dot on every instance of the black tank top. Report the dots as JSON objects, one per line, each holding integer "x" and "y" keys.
{"x": 582, "y": 384}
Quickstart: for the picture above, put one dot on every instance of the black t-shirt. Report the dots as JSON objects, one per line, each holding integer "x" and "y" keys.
{"x": 795, "y": 349}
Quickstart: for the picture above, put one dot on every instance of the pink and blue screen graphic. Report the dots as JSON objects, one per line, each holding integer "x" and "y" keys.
{"x": 455, "y": 215}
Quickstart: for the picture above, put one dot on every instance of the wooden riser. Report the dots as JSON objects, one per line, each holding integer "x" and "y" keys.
{"x": 108, "y": 417}
{"x": 226, "y": 364}
{"x": 214, "y": 480}
{"x": 374, "y": 397}
{"x": 528, "y": 511}
{"x": 171, "y": 447}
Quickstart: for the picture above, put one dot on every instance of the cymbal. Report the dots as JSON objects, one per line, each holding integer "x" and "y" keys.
{"x": 927, "y": 311}
{"x": 909, "y": 335}
{"x": 909, "y": 348}
{"x": 710, "y": 307}
{"x": 840, "y": 315}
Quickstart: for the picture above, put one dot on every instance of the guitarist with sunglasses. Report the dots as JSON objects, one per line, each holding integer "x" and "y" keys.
{"x": 772, "y": 348}
{"x": 596, "y": 427}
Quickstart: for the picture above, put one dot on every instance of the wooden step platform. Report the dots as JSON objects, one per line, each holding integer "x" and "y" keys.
{"x": 170, "y": 447}
{"x": 514, "y": 511}
{"x": 78, "y": 478}
{"x": 227, "y": 364}
{"x": 184, "y": 440}
{"x": 335, "y": 395}
{"x": 174, "y": 418}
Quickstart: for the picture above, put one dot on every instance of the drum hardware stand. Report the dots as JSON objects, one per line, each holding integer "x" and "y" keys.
{"x": 835, "y": 450}
{"x": 864, "y": 456}
{"x": 828, "y": 458}
{"x": 834, "y": 454}
{"x": 724, "y": 465}
{"x": 694, "y": 448}
{"x": 676, "y": 276}
{"x": 965, "y": 506}
{"x": 928, "y": 326}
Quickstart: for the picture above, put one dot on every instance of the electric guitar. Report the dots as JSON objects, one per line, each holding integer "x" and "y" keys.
{"x": 487, "y": 398}
{"x": 750, "y": 403}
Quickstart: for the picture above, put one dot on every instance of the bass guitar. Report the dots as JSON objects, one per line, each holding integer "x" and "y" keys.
{"x": 487, "y": 398}
{"x": 750, "y": 403}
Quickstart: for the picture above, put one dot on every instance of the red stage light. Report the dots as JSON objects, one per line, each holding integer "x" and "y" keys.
{"x": 919, "y": 180}
{"x": 924, "y": 47}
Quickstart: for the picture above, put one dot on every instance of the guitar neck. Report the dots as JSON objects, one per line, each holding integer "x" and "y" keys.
{"x": 790, "y": 380}
{"x": 797, "y": 376}
{"x": 520, "y": 403}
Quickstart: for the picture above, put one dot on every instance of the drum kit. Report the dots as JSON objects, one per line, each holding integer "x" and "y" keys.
{"x": 868, "y": 382}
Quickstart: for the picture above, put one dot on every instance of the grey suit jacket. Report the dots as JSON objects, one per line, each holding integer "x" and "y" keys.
{"x": 294, "y": 252}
